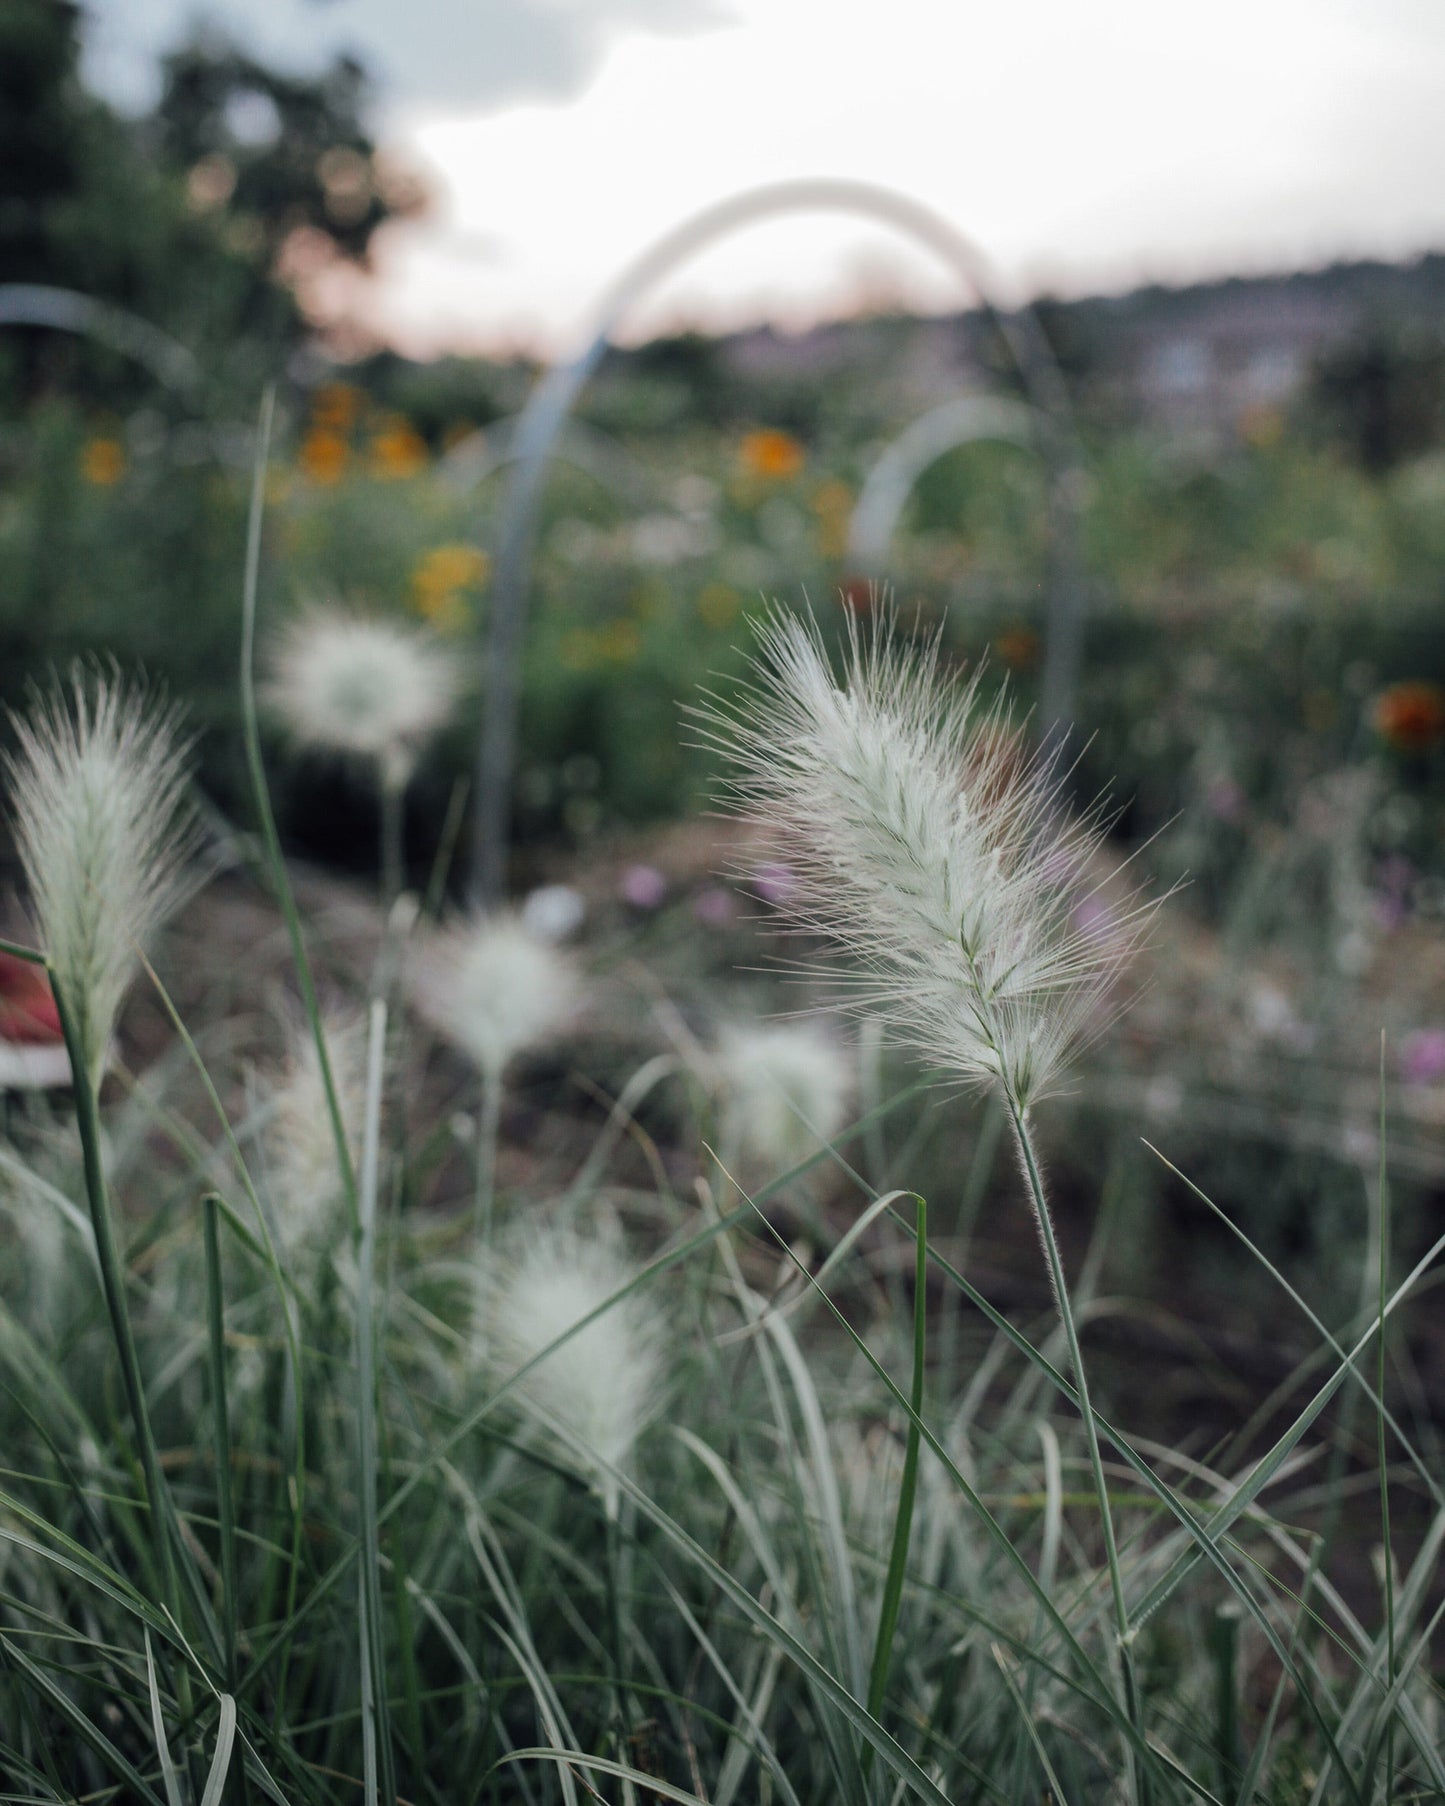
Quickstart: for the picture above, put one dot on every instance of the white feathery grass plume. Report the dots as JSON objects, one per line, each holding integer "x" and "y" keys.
{"x": 927, "y": 842}
{"x": 355, "y": 684}
{"x": 597, "y": 1392}
{"x": 301, "y": 1159}
{"x": 783, "y": 1088}
{"x": 97, "y": 797}
{"x": 495, "y": 988}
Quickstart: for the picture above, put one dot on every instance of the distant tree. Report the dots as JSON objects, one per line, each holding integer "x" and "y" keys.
{"x": 1383, "y": 393}
{"x": 284, "y": 155}
{"x": 200, "y": 218}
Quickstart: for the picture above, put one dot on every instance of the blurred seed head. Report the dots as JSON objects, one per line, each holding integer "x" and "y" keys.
{"x": 302, "y": 1162}
{"x": 97, "y": 799}
{"x": 495, "y": 988}
{"x": 352, "y": 684}
{"x": 783, "y": 1090}
{"x": 597, "y": 1392}
{"x": 926, "y": 841}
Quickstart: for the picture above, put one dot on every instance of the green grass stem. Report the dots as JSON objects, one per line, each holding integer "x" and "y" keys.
{"x": 892, "y": 1600}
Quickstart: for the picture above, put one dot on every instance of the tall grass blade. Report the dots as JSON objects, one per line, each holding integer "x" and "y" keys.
{"x": 892, "y": 1600}
{"x": 221, "y": 1760}
{"x": 1382, "y": 1210}
{"x": 220, "y": 1412}
{"x": 175, "y": 1793}
{"x": 94, "y": 1739}
{"x": 251, "y": 731}
{"x": 375, "y": 1715}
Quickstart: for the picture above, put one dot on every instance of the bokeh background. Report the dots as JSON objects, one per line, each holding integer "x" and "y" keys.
{"x": 1212, "y": 248}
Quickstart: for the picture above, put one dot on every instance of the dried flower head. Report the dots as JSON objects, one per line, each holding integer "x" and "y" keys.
{"x": 783, "y": 1090}
{"x": 97, "y": 797}
{"x": 926, "y": 840}
{"x": 352, "y": 684}
{"x": 496, "y": 988}
{"x": 600, "y": 1388}
{"x": 302, "y": 1163}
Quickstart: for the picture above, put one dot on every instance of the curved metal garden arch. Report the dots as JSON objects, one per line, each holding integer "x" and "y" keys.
{"x": 553, "y": 399}
{"x": 67, "y": 310}
{"x": 966, "y": 420}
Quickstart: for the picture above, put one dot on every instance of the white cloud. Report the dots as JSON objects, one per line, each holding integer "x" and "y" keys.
{"x": 1091, "y": 146}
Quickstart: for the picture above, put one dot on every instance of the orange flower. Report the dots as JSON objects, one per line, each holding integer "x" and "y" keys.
{"x": 323, "y": 456}
{"x": 398, "y": 451}
{"x": 1411, "y": 716}
{"x": 102, "y": 462}
{"x": 772, "y": 455}
{"x": 334, "y": 407}
{"x": 1018, "y": 647}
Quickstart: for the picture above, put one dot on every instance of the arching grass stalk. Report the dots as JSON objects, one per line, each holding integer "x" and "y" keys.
{"x": 927, "y": 842}
{"x": 271, "y": 839}
{"x": 1033, "y": 1178}
{"x": 907, "y": 1486}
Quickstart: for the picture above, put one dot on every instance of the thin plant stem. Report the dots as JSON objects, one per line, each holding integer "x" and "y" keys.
{"x": 375, "y": 1718}
{"x": 225, "y": 1502}
{"x": 164, "y": 1528}
{"x": 489, "y": 1119}
{"x": 1383, "y": 1252}
{"x": 393, "y": 838}
{"x": 907, "y": 1488}
{"x": 271, "y": 839}
{"x": 1033, "y": 1178}
{"x": 436, "y": 884}
{"x": 612, "y": 1564}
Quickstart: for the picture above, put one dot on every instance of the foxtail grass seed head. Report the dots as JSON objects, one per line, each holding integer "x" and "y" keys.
{"x": 363, "y": 687}
{"x": 97, "y": 784}
{"x": 927, "y": 842}
{"x": 302, "y": 1163}
{"x": 495, "y": 988}
{"x": 597, "y": 1392}
{"x": 783, "y": 1090}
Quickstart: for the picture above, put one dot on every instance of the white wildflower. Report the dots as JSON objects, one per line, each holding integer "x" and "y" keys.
{"x": 925, "y": 840}
{"x": 496, "y": 989}
{"x": 302, "y": 1163}
{"x": 353, "y": 684}
{"x": 597, "y": 1392}
{"x": 553, "y": 912}
{"x": 97, "y": 797}
{"x": 783, "y": 1089}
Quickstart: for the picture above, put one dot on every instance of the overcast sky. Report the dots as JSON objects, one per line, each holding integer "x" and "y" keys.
{"x": 1081, "y": 147}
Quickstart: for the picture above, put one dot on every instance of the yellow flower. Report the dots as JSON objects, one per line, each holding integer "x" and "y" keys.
{"x": 440, "y": 580}
{"x": 833, "y": 507}
{"x": 323, "y": 456}
{"x": 398, "y": 451}
{"x": 454, "y": 566}
{"x": 446, "y": 610}
{"x": 620, "y": 642}
{"x": 102, "y": 462}
{"x": 718, "y": 605}
{"x": 772, "y": 455}
{"x": 335, "y": 406}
